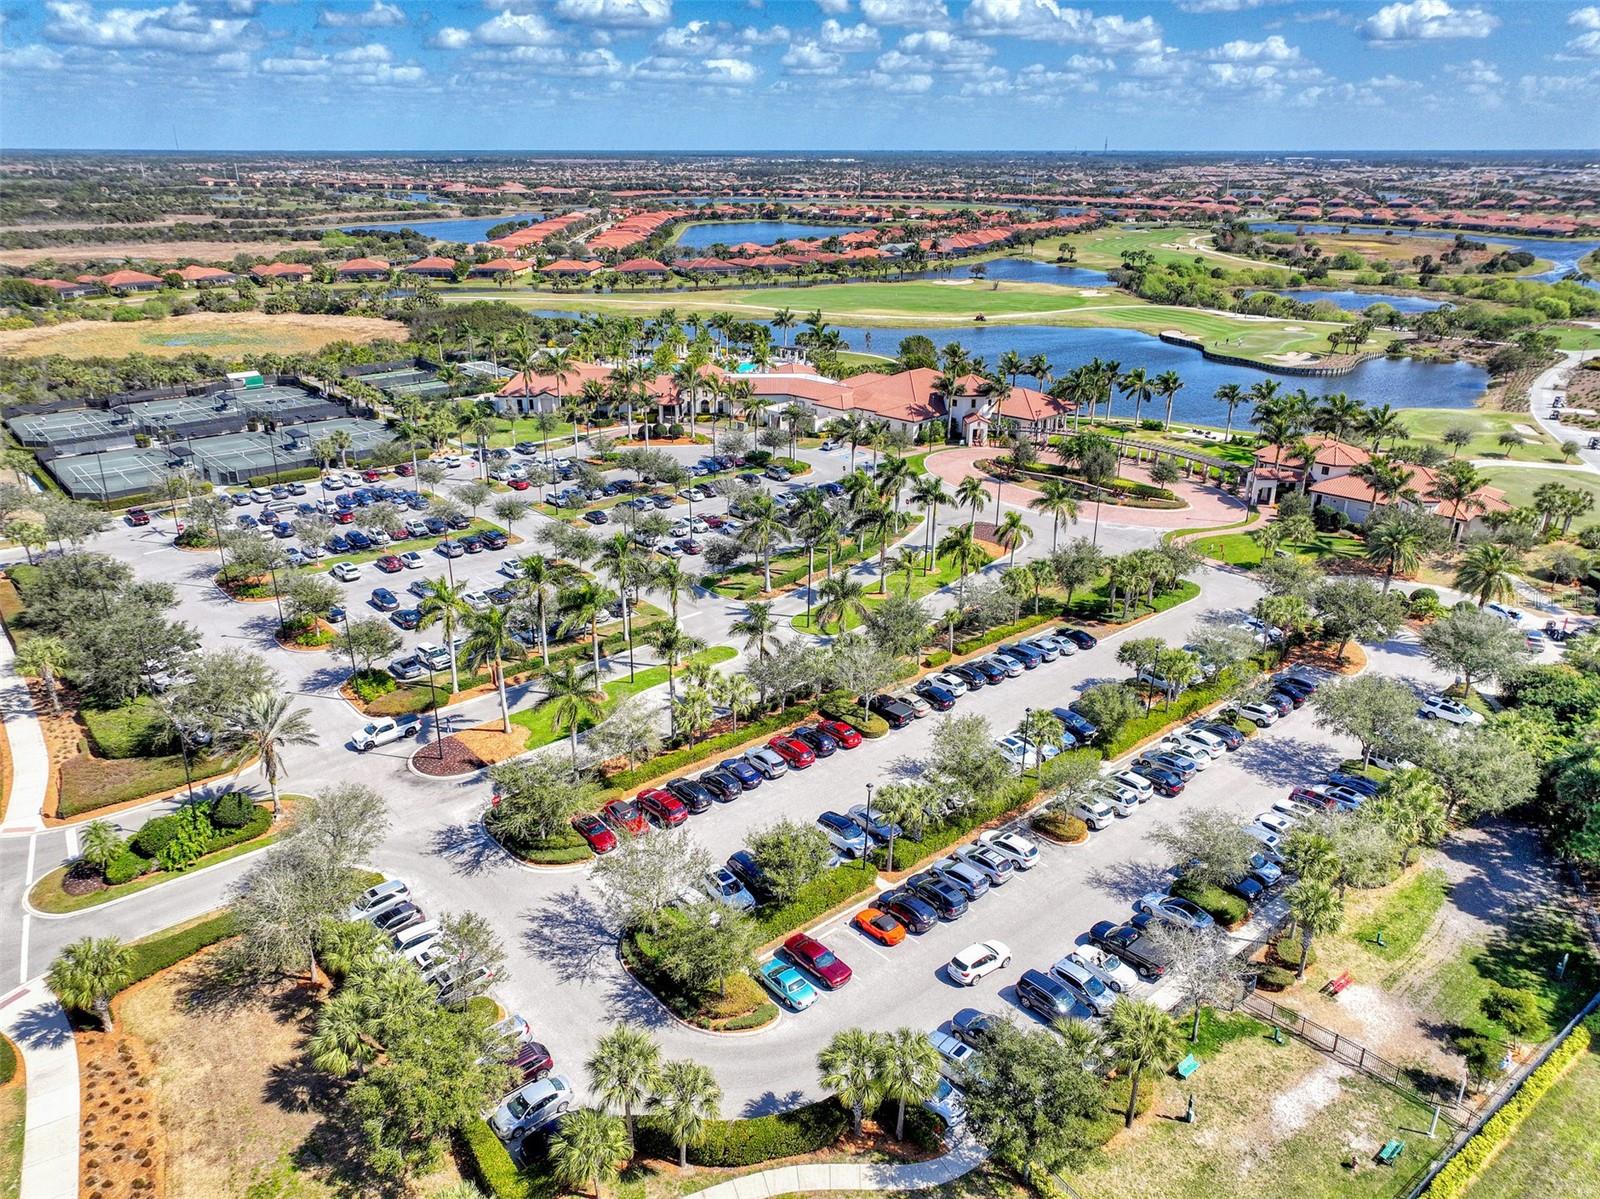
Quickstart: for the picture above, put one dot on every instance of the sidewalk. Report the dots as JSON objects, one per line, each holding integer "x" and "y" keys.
{"x": 30, "y": 763}
{"x": 32, "y": 1018}
{"x": 965, "y": 1156}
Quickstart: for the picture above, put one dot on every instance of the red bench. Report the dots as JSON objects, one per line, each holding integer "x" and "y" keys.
{"x": 1334, "y": 985}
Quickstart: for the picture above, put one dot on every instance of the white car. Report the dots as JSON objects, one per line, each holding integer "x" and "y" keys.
{"x": 435, "y": 656}
{"x": 1012, "y": 668}
{"x": 1136, "y": 783}
{"x": 952, "y": 683}
{"x": 1124, "y": 801}
{"x": 1014, "y": 846}
{"x": 976, "y": 961}
{"x": 1270, "y": 841}
{"x": 956, "y": 1058}
{"x": 346, "y": 572}
{"x": 478, "y": 601}
{"x": 720, "y": 884}
{"x": 416, "y": 936}
{"x": 1092, "y": 811}
{"x": 1277, "y": 822}
{"x": 1504, "y": 613}
{"x": 382, "y": 731}
{"x": 532, "y": 1107}
{"x": 767, "y": 762}
{"x": 919, "y": 706}
{"x": 1016, "y": 751}
{"x": 1440, "y": 707}
{"x": 1107, "y": 967}
{"x": 511, "y": 569}
{"x": 1203, "y": 748}
{"x": 1261, "y": 715}
{"x": 377, "y": 897}
{"x": 411, "y": 560}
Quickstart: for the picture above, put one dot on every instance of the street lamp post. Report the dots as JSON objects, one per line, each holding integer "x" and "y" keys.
{"x": 349, "y": 638}
{"x": 866, "y": 856}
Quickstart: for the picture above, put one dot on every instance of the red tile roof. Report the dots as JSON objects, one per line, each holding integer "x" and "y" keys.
{"x": 497, "y": 266}
{"x": 571, "y": 266}
{"x": 200, "y": 274}
{"x": 356, "y": 265}
{"x": 127, "y": 278}
{"x": 429, "y": 264}
{"x": 281, "y": 270}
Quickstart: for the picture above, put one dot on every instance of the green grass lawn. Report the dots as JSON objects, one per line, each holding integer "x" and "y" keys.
{"x": 540, "y": 722}
{"x": 921, "y": 585}
{"x": 1104, "y": 247}
{"x": 1242, "y": 549}
{"x": 746, "y": 580}
{"x": 1519, "y": 483}
{"x": 13, "y": 1110}
{"x": 1427, "y": 425}
{"x": 134, "y": 730}
{"x": 1572, "y": 337}
{"x": 1554, "y": 1151}
{"x": 1404, "y": 916}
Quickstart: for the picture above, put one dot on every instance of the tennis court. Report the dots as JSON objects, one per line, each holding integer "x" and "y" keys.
{"x": 111, "y": 474}
{"x": 76, "y": 426}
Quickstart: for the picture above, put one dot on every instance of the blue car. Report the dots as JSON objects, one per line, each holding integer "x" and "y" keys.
{"x": 788, "y": 986}
{"x": 1356, "y": 782}
{"x": 246, "y": 521}
{"x": 1030, "y": 658}
{"x": 1167, "y": 782}
{"x": 749, "y": 777}
{"x": 336, "y": 614}
{"x": 282, "y": 531}
{"x": 1080, "y": 728}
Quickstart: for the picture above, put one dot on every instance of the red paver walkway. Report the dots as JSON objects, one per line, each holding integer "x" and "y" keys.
{"x": 1207, "y": 505}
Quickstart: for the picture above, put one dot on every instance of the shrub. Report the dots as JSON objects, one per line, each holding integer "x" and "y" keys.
{"x": 1329, "y": 520}
{"x": 936, "y": 658}
{"x": 232, "y": 810}
{"x": 674, "y": 430}
{"x": 923, "y": 1129}
{"x": 1589, "y": 537}
{"x": 371, "y": 684}
{"x": 561, "y": 848}
{"x": 1460, "y": 1171}
{"x": 491, "y": 1163}
{"x": 155, "y": 836}
{"x": 1227, "y": 910}
{"x": 1286, "y": 951}
{"x": 733, "y": 1144}
{"x": 1515, "y": 1009}
{"x": 1275, "y": 978}
{"x": 125, "y": 867}
{"x": 828, "y": 890}
{"x": 710, "y": 747}
{"x": 1059, "y": 826}
{"x": 1423, "y": 602}
{"x": 260, "y": 820}
{"x": 154, "y": 954}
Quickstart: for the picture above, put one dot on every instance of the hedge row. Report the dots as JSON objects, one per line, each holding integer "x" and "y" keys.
{"x": 841, "y": 707}
{"x": 1227, "y": 910}
{"x": 711, "y": 747}
{"x": 8, "y": 1062}
{"x": 562, "y": 848}
{"x": 733, "y": 1144}
{"x": 491, "y": 1163}
{"x": 155, "y": 953}
{"x": 1187, "y": 703}
{"x": 1461, "y": 1170}
{"x": 299, "y": 474}
{"x": 134, "y": 861}
{"x": 823, "y": 893}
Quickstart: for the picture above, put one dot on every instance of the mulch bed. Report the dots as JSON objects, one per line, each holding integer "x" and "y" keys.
{"x": 445, "y": 759}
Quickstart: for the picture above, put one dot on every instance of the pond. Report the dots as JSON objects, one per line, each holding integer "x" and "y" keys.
{"x": 1030, "y": 270}
{"x": 1359, "y": 301}
{"x": 1564, "y": 254}
{"x": 462, "y": 229}
{"x": 761, "y": 233}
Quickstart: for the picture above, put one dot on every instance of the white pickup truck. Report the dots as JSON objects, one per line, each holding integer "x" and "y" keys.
{"x": 381, "y": 732}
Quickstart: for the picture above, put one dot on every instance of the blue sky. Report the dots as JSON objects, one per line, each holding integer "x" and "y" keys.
{"x": 798, "y": 74}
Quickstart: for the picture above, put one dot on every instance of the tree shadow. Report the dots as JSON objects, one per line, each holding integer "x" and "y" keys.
{"x": 42, "y": 1027}
{"x": 1287, "y": 761}
{"x": 568, "y": 932}
{"x": 467, "y": 847}
{"x": 1129, "y": 880}
{"x": 329, "y": 676}
{"x": 770, "y": 1102}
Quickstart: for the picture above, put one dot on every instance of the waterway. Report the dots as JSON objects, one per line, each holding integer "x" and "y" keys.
{"x": 453, "y": 229}
{"x": 762, "y": 233}
{"x": 1360, "y": 301}
{"x": 1565, "y": 254}
{"x": 1027, "y": 270}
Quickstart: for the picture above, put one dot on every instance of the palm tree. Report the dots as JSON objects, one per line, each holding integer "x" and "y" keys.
{"x": 892, "y": 475}
{"x": 586, "y": 603}
{"x": 1168, "y": 385}
{"x": 1399, "y": 544}
{"x": 910, "y": 1071}
{"x": 1381, "y": 424}
{"x": 1011, "y": 532}
{"x": 1138, "y": 385}
{"x": 674, "y": 646}
{"x": 624, "y": 1071}
{"x": 87, "y": 973}
{"x": 671, "y": 579}
{"x": 536, "y": 580}
{"x": 1316, "y": 909}
{"x": 1232, "y": 395}
{"x": 1139, "y": 1036}
{"x": 265, "y": 724}
{"x": 1055, "y": 498}
{"x": 445, "y": 603}
{"x": 620, "y": 562}
{"x": 841, "y": 598}
{"x": 928, "y": 492}
{"x": 489, "y": 640}
{"x": 961, "y": 548}
{"x": 340, "y": 1043}
{"x": 852, "y": 1067}
{"x": 687, "y": 1096}
{"x": 44, "y": 656}
{"x": 970, "y": 494}
{"x": 692, "y": 713}
{"x": 758, "y": 627}
{"x": 1486, "y": 572}
{"x": 763, "y": 525}
{"x": 100, "y": 844}
{"x": 574, "y": 699}
{"x": 736, "y": 693}
{"x": 1457, "y": 484}
{"x": 906, "y": 564}
{"x": 876, "y": 519}
{"x": 588, "y": 1147}
{"x": 783, "y": 319}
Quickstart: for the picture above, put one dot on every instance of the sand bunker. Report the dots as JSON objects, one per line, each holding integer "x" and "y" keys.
{"x": 1292, "y": 358}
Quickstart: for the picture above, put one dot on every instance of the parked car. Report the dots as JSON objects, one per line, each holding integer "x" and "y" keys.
{"x": 1107, "y": 967}
{"x": 1440, "y": 707}
{"x": 977, "y": 961}
{"x": 919, "y": 706}
{"x": 949, "y": 681}
{"x": 787, "y": 985}
{"x": 847, "y": 736}
{"x": 768, "y": 761}
{"x": 969, "y": 675}
{"x": 376, "y": 898}
{"x": 390, "y": 564}
{"x": 662, "y": 808}
{"x": 906, "y": 906}
{"x": 1014, "y": 846}
{"x": 944, "y": 897}
{"x": 382, "y": 731}
{"x": 720, "y": 884}
{"x": 1133, "y": 946}
{"x": 1166, "y": 782}
{"x": 821, "y": 745}
{"x": 935, "y": 696}
{"x": 996, "y": 866}
{"x": 531, "y": 1107}
{"x": 408, "y": 619}
{"x": 747, "y": 870}
{"x": 406, "y": 669}
{"x": 1075, "y": 724}
{"x": 1087, "y": 987}
{"x": 1048, "y": 996}
{"x": 623, "y": 816}
{"x": 1179, "y": 764}
{"x": 956, "y": 1057}
{"x": 1174, "y": 909}
{"x": 874, "y": 824}
{"x": 346, "y": 572}
{"x": 1228, "y": 734}
{"x": 1260, "y": 715}
{"x": 395, "y": 918}
{"x": 881, "y": 926}
{"x": 691, "y": 795}
{"x": 818, "y": 960}
{"x": 1079, "y": 638}
{"x": 723, "y": 786}
{"x": 896, "y": 714}
{"x": 595, "y": 831}
{"x": 1092, "y": 810}
{"x": 967, "y": 878}
{"x": 844, "y": 834}
{"x": 739, "y": 769}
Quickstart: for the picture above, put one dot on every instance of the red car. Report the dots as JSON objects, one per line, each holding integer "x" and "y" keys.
{"x": 1316, "y": 799}
{"x": 714, "y": 522}
{"x": 390, "y": 564}
{"x": 371, "y": 476}
{"x": 796, "y": 754}
{"x": 138, "y": 517}
{"x": 818, "y": 959}
{"x": 404, "y": 470}
{"x": 662, "y": 807}
{"x": 533, "y": 1060}
{"x": 595, "y": 831}
{"x": 846, "y": 735}
{"x": 517, "y": 484}
{"x": 343, "y": 516}
{"x": 624, "y": 816}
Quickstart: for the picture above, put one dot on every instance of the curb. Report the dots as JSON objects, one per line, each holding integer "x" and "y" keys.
{"x": 684, "y": 1024}
{"x": 139, "y": 894}
{"x": 535, "y": 867}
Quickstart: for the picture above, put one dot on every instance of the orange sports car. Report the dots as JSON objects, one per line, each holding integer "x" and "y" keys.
{"x": 880, "y": 926}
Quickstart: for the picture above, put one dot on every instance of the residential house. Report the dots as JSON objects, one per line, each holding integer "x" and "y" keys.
{"x": 430, "y": 268}
{"x": 361, "y": 268}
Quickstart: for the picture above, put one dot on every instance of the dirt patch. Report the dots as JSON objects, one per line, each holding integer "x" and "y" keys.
{"x": 491, "y": 744}
{"x": 221, "y": 333}
{"x": 1298, "y": 1106}
{"x": 124, "y": 1152}
{"x": 447, "y": 758}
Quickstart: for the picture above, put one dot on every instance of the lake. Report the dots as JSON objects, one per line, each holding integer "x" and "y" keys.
{"x": 1564, "y": 254}
{"x": 1359, "y": 301}
{"x": 462, "y": 229}
{"x": 1030, "y": 270}
{"x": 762, "y": 233}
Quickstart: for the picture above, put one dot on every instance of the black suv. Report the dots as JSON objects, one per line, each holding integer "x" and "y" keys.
{"x": 748, "y": 871}
{"x": 693, "y": 796}
{"x": 910, "y": 910}
{"x": 944, "y": 897}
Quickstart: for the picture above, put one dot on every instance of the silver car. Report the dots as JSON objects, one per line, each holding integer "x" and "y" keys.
{"x": 530, "y": 1108}
{"x": 767, "y": 762}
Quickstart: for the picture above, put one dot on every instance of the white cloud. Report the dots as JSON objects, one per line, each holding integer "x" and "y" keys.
{"x": 926, "y": 14}
{"x": 302, "y": 62}
{"x": 726, "y": 71}
{"x": 809, "y": 58}
{"x": 1045, "y": 20}
{"x": 595, "y": 64}
{"x": 616, "y": 14}
{"x": 835, "y": 8}
{"x": 1559, "y": 90}
{"x": 179, "y": 27}
{"x": 730, "y": 70}
{"x": 35, "y": 57}
{"x": 372, "y": 52}
{"x": 1427, "y": 20}
{"x": 1205, "y": 6}
{"x": 946, "y": 50}
{"x": 1273, "y": 49}
{"x": 697, "y": 39}
{"x": 848, "y": 39}
{"x": 451, "y": 38}
{"x": 1089, "y": 64}
{"x": 516, "y": 29}
{"x": 1585, "y": 18}
{"x": 899, "y": 81}
{"x": 380, "y": 15}
{"x": 772, "y": 35}
{"x": 1585, "y": 45}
